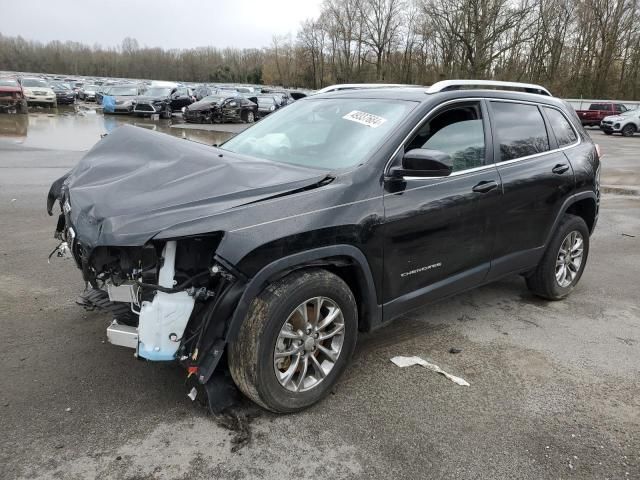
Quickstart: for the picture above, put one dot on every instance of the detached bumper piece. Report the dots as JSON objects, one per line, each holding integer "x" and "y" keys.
{"x": 122, "y": 335}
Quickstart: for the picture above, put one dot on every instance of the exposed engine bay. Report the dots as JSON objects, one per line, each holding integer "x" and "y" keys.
{"x": 169, "y": 290}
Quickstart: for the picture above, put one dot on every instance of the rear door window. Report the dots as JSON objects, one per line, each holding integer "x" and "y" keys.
{"x": 562, "y": 129}
{"x": 520, "y": 130}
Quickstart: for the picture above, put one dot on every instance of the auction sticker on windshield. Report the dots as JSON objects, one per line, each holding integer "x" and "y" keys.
{"x": 365, "y": 118}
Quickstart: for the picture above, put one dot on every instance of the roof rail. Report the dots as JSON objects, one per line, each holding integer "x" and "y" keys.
{"x": 447, "y": 85}
{"x": 360, "y": 86}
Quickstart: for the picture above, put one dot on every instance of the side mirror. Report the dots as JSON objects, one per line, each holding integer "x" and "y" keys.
{"x": 421, "y": 162}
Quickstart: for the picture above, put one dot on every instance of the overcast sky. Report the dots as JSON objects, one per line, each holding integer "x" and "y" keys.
{"x": 157, "y": 23}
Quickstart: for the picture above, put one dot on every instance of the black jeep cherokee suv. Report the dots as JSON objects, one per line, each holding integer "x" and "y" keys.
{"x": 264, "y": 257}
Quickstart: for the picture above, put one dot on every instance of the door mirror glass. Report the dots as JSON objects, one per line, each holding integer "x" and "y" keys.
{"x": 421, "y": 162}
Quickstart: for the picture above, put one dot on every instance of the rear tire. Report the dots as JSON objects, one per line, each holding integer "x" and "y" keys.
{"x": 271, "y": 359}
{"x": 569, "y": 243}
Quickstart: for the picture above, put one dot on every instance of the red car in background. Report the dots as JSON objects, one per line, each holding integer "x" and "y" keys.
{"x": 597, "y": 111}
{"x": 11, "y": 96}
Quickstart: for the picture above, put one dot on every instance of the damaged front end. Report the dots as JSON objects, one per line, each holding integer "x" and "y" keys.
{"x": 143, "y": 216}
{"x": 163, "y": 296}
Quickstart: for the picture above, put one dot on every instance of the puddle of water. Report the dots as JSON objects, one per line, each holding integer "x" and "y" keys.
{"x": 79, "y": 128}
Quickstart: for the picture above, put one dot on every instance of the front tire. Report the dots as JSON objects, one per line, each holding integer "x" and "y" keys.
{"x": 628, "y": 130}
{"x": 296, "y": 341}
{"x": 562, "y": 265}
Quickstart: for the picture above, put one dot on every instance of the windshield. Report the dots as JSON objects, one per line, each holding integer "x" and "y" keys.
{"x": 158, "y": 92}
{"x": 60, "y": 86}
{"x": 33, "y": 82}
{"x": 630, "y": 113}
{"x": 8, "y": 82}
{"x": 325, "y": 133}
{"x": 123, "y": 91}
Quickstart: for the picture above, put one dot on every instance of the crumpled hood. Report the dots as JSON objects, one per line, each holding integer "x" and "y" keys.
{"x": 202, "y": 105}
{"x": 135, "y": 183}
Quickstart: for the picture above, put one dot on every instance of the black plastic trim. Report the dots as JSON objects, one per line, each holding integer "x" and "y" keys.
{"x": 300, "y": 260}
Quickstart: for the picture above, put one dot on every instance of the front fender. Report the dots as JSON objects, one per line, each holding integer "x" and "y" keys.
{"x": 317, "y": 256}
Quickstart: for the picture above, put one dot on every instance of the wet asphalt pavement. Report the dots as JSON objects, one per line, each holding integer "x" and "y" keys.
{"x": 555, "y": 387}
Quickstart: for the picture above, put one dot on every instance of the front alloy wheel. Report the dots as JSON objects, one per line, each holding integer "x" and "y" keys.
{"x": 295, "y": 341}
{"x": 309, "y": 344}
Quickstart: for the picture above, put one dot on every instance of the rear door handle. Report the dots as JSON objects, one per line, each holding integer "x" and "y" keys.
{"x": 485, "y": 186}
{"x": 560, "y": 168}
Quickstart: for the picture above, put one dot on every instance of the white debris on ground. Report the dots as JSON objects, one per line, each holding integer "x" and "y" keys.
{"x": 409, "y": 361}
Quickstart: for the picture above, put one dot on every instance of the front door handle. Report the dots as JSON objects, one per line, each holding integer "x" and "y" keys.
{"x": 560, "y": 168}
{"x": 485, "y": 186}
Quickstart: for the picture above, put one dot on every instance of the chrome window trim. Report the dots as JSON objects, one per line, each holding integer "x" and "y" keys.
{"x": 495, "y": 164}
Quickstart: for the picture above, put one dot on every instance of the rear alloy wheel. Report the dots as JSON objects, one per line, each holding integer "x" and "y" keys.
{"x": 296, "y": 341}
{"x": 562, "y": 265}
{"x": 628, "y": 130}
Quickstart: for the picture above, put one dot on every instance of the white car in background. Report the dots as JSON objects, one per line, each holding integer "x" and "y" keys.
{"x": 37, "y": 91}
{"x": 626, "y": 123}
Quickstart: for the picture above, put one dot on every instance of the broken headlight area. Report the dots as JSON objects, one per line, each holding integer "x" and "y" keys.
{"x": 171, "y": 292}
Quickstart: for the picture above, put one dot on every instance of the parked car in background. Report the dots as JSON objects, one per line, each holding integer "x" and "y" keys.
{"x": 597, "y": 111}
{"x": 626, "y": 123}
{"x": 76, "y": 86}
{"x": 88, "y": 93}
{"x": 12, "y": 97}
{"x": 64, "y": 94}
{"x": 283, "y": 98}
{"x": 202, "y": 91}
{"x": 125, "y": 97}
{"x": 104, "y": 89}
{"x": 181, "y": 97}
{"x": 101, "y": 91}
{"x": 156, "y": 100}
{"x": 220, "y": 109}
{"x": 38, "y": 92}
{"x": 266, "y": 104}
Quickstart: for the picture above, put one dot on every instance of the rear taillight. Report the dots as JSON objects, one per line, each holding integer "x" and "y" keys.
{"x": 598, "y": 151}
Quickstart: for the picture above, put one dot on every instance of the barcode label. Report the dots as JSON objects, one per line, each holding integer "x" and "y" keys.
{"x": 365, "y": 118}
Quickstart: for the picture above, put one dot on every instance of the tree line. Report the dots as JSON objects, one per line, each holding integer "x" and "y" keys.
{"x": 576, "y": 48}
